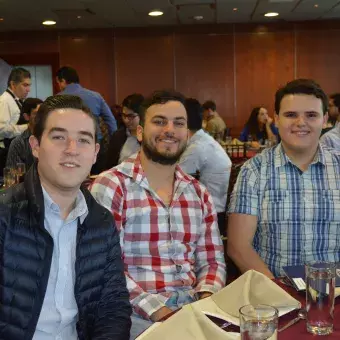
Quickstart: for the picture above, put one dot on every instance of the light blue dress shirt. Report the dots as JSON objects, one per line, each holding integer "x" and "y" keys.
{"x": 59, "y": 313}
{"x": 207, "y": 156}
{"x": 96, "y": 104}
{"x": 332, "y": 138}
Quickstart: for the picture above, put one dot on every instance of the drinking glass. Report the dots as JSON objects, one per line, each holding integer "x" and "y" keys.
{"x": 320, "y": 289}
{"x": 21, "y": 168}
{"x": 258, "y": 322}
{"x": 9, "y": 177}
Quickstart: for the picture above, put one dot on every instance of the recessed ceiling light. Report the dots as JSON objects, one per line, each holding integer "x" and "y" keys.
{"x": 155, "y": 13}
{"x": 49, "y": 22}
{"x": 79, "y": 17}
{"x": 1, "y": 19}
{"x": 235, "y": 9}
{"x": 316, "y": 5}
{"x": 271, "y": 14}
{"x": 198, "y": 17}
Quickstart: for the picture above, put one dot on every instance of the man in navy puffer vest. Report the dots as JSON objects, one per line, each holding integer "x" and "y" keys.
{"x": 61, "y": 271}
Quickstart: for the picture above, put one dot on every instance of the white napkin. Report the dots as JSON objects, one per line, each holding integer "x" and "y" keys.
{"x": 250, "y": 288}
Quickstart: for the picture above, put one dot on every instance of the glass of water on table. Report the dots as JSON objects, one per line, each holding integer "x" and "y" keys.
{"x": 320, "y": 290}
{"x": 258, "y": 322}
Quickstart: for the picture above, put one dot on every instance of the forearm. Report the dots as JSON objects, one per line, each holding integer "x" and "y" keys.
{"x": 270, "y": 133}
{"x": 246, "y": 258}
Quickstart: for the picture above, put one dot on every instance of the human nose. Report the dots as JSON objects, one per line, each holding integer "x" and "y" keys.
{"x": 71, "y": 147}
{"x": 300, "y": 121}
{"x": 169, "y": 127}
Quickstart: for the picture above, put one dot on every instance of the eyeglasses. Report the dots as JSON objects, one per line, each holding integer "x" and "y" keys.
{"x": 129, "y": 116}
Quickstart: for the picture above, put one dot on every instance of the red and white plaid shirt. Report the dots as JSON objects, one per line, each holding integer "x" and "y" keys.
{"x": 165, "y": 248}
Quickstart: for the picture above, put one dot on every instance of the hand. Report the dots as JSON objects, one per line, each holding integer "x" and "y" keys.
{"x": 160, "y": 314}
{"x": 204, "y": 295}
{"x": 269, "y": 120}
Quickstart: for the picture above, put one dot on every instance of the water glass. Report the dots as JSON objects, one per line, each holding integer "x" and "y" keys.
{"x": 258, "y": 322}
{"x": 320, "y": 289}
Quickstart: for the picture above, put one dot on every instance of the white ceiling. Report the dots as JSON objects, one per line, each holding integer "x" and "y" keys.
{"x": 28, "y": 14}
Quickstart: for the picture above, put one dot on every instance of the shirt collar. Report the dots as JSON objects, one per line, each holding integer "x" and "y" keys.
{"x": 281, "y": 158}
{"x": 132, "y": 167}
{"x": 15, "y": 97}
{"x": 80, "y": 209}
{"x": 73, "y": 86}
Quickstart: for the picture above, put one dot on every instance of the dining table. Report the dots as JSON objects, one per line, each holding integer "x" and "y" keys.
{"x": 298, "y": 331}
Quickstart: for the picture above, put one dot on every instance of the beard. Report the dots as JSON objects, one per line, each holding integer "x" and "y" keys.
{"x": 164, "y": 158}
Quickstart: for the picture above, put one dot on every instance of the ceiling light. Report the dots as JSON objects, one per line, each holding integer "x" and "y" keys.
{"x": 198, "y": 17}
{"x": 79, "y": 17}
{"x": 316, "y": 5}
{"x": 1, "y": 19}
{"x": 235, "y": 9}
{"x": 155, "y": 13}
{"x": 49, "y": 22}
{"x": 271, "y": 14}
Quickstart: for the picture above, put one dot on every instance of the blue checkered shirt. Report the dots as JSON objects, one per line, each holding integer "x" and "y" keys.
{"x": 298, "y": 213}
{"x": 332, "y": 138}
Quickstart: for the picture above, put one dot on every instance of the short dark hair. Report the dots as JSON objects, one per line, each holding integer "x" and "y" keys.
{"x": 336, "y": 99}
{"x": 29, "y": 105}
{"x": 64, "y": 101}
{"x": 69, "y": 74}
{"x": 17, "y": 75}
{"x": 195, "y": 113}
{"x": 301, "y": 86}
{"x": 133, "y": 102}
{"x": 209, "y": 104}
{"x": 159, "y": 97}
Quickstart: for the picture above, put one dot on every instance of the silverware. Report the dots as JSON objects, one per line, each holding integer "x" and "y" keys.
{"x": 301, "y": 316}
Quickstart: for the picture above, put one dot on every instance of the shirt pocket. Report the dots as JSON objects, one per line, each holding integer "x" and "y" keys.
{"x": 276, "y": 206}
{"x": 330, "y": 205}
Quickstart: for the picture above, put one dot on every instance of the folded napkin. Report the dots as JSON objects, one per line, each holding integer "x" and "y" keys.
{"x": 187, "y": 324}
{"x": 250, "y": 288}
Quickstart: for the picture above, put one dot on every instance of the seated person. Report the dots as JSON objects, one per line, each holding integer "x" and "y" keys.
{"x": 215, "y": 125}
{"x": 331, "y": 139}
{"x": 260, "y": 127}
{"x": 171, "y": 245}
{"x": 61, "y": 271}
{"x": 124, "y": 142}
{"x": 285, "y": 207}
{"x": 20, "y": 150}
{"x": 205, "y": 155}
{"x": 333, "y": 112}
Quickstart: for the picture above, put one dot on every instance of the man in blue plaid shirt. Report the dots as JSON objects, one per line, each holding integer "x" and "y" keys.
{"x": 285, "y": 207}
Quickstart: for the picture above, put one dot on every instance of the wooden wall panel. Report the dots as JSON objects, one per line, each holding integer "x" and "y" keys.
{"x": 264, "y": 62}
{"x": 92, "y": 55}
{"x": 143, "y": 64}
{"x": 318, "y": 55}
{"x": 204, "y": 68}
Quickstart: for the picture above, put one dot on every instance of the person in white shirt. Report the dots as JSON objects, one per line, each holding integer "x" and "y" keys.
{"x": 19, "y": 85}
{"x": 205, "y": 154}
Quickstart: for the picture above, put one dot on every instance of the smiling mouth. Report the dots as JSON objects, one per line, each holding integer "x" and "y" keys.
{"x": 301, "y": 133}
{"x": 69, "y": 165}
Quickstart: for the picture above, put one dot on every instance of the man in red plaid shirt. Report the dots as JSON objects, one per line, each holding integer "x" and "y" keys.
{"x": 171, "y": 245}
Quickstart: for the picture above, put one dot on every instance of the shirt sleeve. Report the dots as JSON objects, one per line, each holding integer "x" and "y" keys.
{"x": 210, "y": 265}
{"x": 244, "y": 134}
{"x": 244, "y": 198}
{"x": 108, "y": 117}
{"x": 15, "y": 154}
{"x": 108, "y": 191}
